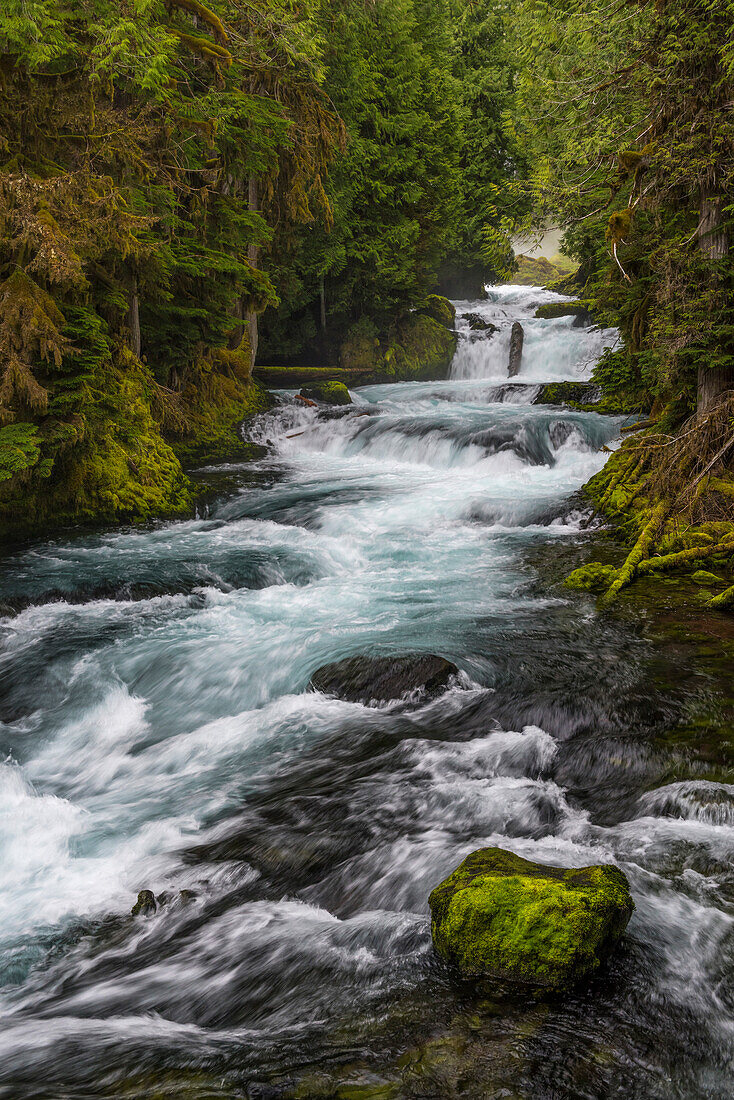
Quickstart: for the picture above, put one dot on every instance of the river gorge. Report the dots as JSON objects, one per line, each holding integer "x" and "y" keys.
{"x": 158, "y": 732}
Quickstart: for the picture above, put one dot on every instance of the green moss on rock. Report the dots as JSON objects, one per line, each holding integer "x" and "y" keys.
{"x": 702, "y": 576}
{"x": 331, "y": 393}
{"x": 420, "y": 349}
{"x": 500, "y": 916}
{"x": 361, "y": 348}
{"x": 440, "y": 309}
{"x": 593, "y": 577}
{"x": 566, "y": 393}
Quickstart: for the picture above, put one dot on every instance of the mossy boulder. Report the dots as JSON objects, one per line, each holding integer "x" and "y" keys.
{"x": 330, "y": 393}
{"x": 416, "y": 348}
{"x": 420, "y": 349}
{"x": 702, "y": 576}
{"x": 361, "y": 349}
{"x": 440, "y": 309}
{"x": 504, "y": 917}
{"x": 593, "y": 577}
{"x": 146, "y": 904}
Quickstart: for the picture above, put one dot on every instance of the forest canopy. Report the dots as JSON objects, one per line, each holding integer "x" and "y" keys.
{"x": 188, "y": 186}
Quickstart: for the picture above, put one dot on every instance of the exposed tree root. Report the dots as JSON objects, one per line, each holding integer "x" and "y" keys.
{"x": 665, "y": 563}
{"x": 638, "y": 553}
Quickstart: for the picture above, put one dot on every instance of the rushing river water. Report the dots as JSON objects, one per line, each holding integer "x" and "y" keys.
{"x": 157, "y": 732}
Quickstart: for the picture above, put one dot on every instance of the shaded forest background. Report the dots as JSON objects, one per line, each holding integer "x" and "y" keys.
{"x": 185, "y": 188}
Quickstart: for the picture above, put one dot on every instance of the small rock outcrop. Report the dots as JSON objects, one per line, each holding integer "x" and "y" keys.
{"x": 517, "y": 338}
{"x": 327, "y": 393}
{"x": 478, "y": 324}
{"x": 383, "y": 679}
{"x": 503, "y": 917}
{"x": 146, "y": 904}
{"x": 567, "y": 393}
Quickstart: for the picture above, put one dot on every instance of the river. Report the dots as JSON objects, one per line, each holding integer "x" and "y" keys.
{"x": 157, "y": 732}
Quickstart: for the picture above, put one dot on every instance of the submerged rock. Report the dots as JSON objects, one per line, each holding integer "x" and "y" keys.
{"x": 329, "y": 393}
{"x": 382, "y": 679}
{"x": 503, "y": 917}
{"x": 517, "y": 338}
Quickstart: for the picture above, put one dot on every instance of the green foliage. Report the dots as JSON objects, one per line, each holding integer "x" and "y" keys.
{"x": 636, "y": 158}
{"x": 19, "y": 449}
{"x": 145, "y": 153}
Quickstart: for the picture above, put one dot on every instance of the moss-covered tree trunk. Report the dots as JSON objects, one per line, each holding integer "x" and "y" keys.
{"x": 133, "y": 318}
{"x": 714, "y": 243}
{"x": 252, "y": 256}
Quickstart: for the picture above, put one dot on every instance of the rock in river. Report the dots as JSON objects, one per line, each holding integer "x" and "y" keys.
{"x": 517, "y": 338}
{"x": 328, "y": 393}
{"x": 503, "y": 917}
{"x": 381, "y": 679}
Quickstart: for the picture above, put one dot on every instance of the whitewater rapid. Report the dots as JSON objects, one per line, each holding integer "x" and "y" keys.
{"x": 157, "y": 731}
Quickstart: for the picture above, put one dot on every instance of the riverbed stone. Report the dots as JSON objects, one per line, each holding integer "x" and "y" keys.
{"x": 527, "y": 924}
{"x": 383, "y": 679}
{"x": 517, "y": 338}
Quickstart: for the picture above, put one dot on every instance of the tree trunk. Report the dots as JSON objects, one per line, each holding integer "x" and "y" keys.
{"x": 252, "y": 256}
{"x": 714, "y": 243}
{"x": 133, "y": 318}
{"x": 322, "y": 302}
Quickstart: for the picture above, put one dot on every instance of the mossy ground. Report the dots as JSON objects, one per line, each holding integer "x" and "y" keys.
{"x": 692, "y": 644}
{"x": 212, "y": 423}
{"x": 662, "y": 540}
{"x": 502, "y": 916}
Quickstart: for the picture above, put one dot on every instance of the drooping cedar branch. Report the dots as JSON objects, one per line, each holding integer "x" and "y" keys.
{"x": 204, "y": 47}
{"x": 203, "y": 13}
